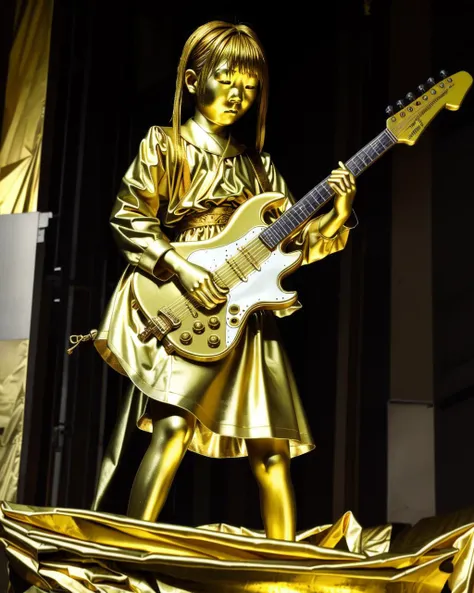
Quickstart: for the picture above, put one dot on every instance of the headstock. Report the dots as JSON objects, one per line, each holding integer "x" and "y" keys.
{"x": 410, "y": 121}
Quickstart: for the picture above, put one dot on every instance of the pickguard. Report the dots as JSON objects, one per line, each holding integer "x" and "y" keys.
{"x": 260, "y": 287}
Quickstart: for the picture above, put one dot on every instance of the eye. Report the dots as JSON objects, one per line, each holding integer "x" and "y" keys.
{"x": 224, "y": 81}
{"x": 250, "y": 87}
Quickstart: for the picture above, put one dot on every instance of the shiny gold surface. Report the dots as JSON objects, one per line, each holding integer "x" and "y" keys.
{"x": 13, "y": 368}
{"x": 410, "y": 122}
{"x": 77, "y": 551}
{"x": 214, "y": 341}
{"x": 214, "y": 322}
{"x": 256, "y": 374}
{"x": 25, "y": 97}
{"x": 180, "y": 190}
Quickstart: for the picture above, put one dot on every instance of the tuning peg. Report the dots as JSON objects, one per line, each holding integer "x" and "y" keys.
{"x": 410, "y": 97}
{"x": 443, "y": 74}
{"x": 389, "y": 110}
{"x": 431, "y": 82}
{"x": 400, "y": 104}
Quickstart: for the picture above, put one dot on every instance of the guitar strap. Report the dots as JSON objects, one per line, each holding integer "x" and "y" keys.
{"x": 259, "y": 169}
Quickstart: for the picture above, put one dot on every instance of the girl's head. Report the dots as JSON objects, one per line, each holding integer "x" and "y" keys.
{"x": 224, "y": 67}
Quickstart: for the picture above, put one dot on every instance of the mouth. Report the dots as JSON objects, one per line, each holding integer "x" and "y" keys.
{"x": 231, "y": 111}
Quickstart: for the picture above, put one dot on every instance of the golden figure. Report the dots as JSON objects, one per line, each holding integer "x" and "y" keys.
{"x": 184, "y": 185}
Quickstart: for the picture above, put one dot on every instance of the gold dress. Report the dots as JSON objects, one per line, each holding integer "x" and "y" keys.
{"x": 251, "y": 393}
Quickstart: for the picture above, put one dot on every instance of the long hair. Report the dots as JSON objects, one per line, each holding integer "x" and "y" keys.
{"x": 204, "y": 50}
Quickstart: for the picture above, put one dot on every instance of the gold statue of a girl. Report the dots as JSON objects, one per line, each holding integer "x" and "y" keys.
{"x": 184, "y": 185}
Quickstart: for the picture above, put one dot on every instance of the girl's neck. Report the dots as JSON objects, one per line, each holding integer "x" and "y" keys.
{"x": 210, "y": 127}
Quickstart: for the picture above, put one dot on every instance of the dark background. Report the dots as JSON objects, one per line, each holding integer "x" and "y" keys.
{"x": 112, "y": 76}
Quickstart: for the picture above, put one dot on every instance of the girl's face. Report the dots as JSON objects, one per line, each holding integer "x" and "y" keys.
{"x": 227, "y": 96}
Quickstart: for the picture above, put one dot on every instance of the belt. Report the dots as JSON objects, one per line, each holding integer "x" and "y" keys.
{"x": 216, "y": 216}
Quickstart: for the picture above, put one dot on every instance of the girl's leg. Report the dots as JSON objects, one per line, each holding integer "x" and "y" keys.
{"x": 173, "y": 429}
{"x": 270, "y": 463}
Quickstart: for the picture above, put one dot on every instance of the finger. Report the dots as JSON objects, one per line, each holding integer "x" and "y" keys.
{"x": 193, "y": 292}
{"x": 196, "y": 297}
{"x": 200, "y": 297}
{"x": 337, "y": 189}
{"x": 351, "y": 176}
{"x": 335, "y": 178}
{"x": 343, "y": 176}
{"x": 349, "y": 172}
{"x": 208, "y": 298}
{"x": 341, "y": 183}
{"x": 347, "y": 182}
{"x": 217, "y": 297}
{"x": 222, "y": 290}
{"x": 342, "y": 172}
{"x": 342, "y": 180}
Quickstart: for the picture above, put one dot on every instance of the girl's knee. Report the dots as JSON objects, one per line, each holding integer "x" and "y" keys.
{"x": 271, "y": 467}
{"x": 174, "y": 429}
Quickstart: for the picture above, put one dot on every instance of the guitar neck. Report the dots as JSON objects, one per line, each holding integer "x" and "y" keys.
{"x": 305, "y": 208}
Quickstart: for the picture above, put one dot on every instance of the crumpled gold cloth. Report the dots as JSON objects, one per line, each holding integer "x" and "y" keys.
{"x": 13, "y": 367}
{"x": 25, "y": 98}
{"x": 80, "y": 551}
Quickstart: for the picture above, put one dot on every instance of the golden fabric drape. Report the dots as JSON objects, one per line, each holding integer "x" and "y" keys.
{"x": 22, "y": 133}
{"x": 20, "y": 156}
{"x": 13, "y": 366}
{"x": 81, "y": 551}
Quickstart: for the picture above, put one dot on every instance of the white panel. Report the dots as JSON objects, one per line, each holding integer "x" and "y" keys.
{"x": 18, "y": 239}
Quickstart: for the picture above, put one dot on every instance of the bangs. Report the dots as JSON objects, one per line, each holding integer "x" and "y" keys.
{"x": 241, "y": 52}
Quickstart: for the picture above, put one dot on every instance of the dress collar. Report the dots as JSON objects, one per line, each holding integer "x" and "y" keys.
{"x": 197, "y": 136}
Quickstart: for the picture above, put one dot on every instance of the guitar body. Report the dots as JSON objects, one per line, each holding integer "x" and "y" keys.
{"x": 205, "y": 335}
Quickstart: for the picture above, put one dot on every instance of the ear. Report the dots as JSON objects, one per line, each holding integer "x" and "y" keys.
{"x": 191, "y": 80}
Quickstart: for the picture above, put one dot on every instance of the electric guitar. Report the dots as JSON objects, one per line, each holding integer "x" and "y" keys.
{"x": 247, "y": 256}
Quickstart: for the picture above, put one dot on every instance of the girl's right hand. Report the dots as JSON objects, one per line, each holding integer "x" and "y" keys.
{"x": 197, "y": 281}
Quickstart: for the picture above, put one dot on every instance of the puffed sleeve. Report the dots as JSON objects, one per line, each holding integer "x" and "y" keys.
{"x": 134, "y": 219}
{"x": 309, "y": 240}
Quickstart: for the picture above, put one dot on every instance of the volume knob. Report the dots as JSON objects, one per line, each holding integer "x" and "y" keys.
{"x": 198, "y": 327}
{"x": 214, "y": 341}
{"x": 186, "y": 338}
{"x": 214, "y": 322}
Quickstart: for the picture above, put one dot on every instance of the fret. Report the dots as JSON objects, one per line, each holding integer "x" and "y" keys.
{"x": 365, "y": 161}
{"x": 371, "y": 152}
{"x": 375, "y": 147}
{"x": 302, "y": 210}
{"x": 353, "y": 166}
{"x": 292, "y": 215}
{"x": 362, "y": 165}
{"x": 307, "y": 211}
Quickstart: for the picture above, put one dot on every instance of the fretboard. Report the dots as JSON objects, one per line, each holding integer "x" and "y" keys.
{"x": 305, "y": 208}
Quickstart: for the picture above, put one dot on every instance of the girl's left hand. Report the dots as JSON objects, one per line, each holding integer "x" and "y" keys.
{"x": 342, "y": 181}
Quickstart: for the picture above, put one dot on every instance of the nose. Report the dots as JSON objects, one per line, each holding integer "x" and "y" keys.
{"x": 235, "y": 95}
